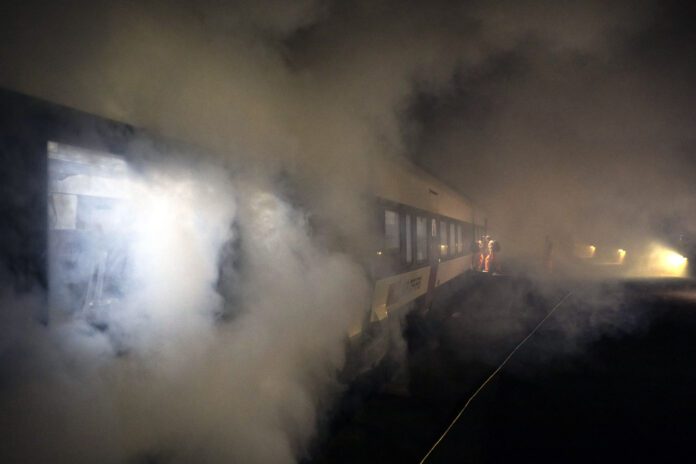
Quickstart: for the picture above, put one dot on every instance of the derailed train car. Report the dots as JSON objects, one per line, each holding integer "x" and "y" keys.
{"x": 68, "y": 217}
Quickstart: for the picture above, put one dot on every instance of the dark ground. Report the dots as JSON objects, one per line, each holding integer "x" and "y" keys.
{"x": 610, "y": 377}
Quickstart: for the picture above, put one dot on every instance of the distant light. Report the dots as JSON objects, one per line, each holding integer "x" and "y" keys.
{"x": 675, "y": 260}
{"x": 663, "y": 261}
{"x": 585, "y": 251}
{"x": 591, "y": 250}
{"x": 379, "y": 253}
{"x": 621, "y": 255}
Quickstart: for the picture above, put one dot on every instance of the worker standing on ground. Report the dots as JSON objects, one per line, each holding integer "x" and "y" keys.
{"x": 492, "y": 264}
{"x": 484, "y": 252}
{"x": 476, "y": 255}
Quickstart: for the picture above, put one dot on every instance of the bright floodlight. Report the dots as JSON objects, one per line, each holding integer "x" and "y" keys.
{"x": 663, "y": 261}
{"x": 109, "y": 227}
{"x": 674, "y": 260}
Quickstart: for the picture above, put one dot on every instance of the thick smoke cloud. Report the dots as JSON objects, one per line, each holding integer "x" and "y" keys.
{"x": 168, "y": 381}
{"x": 571, "y": 104}
{"x": 576, "y": 124}
{"x": 564, "y": 119}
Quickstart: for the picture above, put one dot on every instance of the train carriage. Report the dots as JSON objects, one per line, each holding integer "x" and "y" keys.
{"x": 428, "y": 229}
{"x": 65, "y": 174}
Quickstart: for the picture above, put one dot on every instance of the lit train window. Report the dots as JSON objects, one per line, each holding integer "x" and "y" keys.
{"x": 452, "y": 239}
{"x": 409, "y": 244}
{"x": 421, "y": 238}
{"x": 460, "y": 242}
{"x": 391, "y": 230}
{"x": 443, "y": 238}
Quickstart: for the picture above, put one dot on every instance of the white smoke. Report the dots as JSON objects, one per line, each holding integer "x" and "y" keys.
{"x": 172, "y": 379}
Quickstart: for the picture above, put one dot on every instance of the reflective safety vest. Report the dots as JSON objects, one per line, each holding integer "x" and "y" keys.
{"x": 491, "y": 262}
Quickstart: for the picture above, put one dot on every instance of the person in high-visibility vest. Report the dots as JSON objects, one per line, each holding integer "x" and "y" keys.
{"x": 484, "y": 253}
{"x": 492, "y": 264}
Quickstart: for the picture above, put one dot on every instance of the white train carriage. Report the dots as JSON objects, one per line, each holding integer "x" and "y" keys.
{"x": 428, "y": 229}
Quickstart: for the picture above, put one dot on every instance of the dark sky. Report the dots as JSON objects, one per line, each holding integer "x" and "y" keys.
{"x": 569, "y": 118}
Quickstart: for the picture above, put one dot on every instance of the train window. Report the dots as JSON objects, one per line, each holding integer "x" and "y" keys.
{"x": 460, "y": 242}
{"x": 421, "y": 238}
{"x": 452, "y": 239}
{"x": 443, "y": 238}
{"x": 407, "y": 237}
{"x": 391, "y": 230}
{"x": 433, "y": 228}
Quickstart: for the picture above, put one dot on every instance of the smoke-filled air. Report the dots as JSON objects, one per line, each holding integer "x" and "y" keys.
{"x": 243, "y": 253}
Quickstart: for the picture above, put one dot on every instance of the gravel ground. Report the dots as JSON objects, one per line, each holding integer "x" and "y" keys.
{"x": 609, "y": 377}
